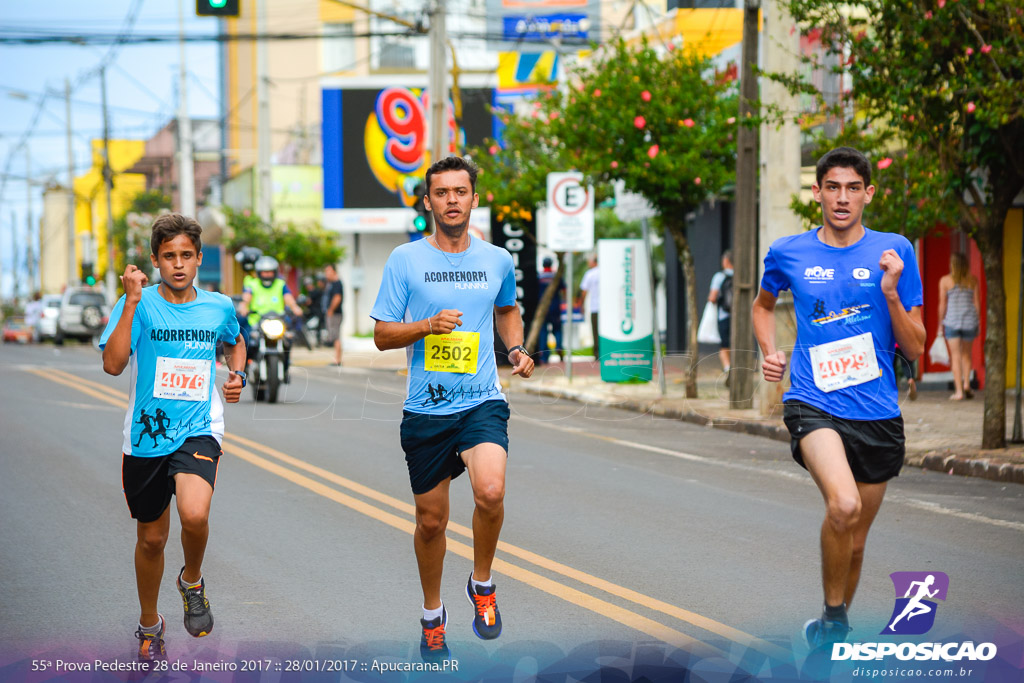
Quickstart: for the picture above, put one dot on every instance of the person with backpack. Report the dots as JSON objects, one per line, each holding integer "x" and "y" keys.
{"x": 721, "y": 296}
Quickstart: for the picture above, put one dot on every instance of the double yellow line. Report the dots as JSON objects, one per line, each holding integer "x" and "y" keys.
{"x": 245, "y": 449}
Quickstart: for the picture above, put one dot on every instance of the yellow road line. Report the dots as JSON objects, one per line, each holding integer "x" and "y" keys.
{"x": 528, "y": 577}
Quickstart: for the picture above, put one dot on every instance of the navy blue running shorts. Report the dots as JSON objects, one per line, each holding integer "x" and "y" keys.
{"x": 874, "y": 448}
{"x": 433, "y": 443}
{"x": 149, "y": 482}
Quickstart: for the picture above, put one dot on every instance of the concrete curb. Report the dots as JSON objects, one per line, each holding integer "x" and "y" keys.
{"x": 948, "y": 463}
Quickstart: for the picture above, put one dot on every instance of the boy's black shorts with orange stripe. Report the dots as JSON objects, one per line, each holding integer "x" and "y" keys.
{"x": 149, "y": 482}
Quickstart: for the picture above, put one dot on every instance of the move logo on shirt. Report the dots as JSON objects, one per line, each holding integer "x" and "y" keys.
{"x": 819, "y": 274}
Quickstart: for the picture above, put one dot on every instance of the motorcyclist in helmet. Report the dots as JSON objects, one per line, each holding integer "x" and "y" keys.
{"x": 267, "y": 293}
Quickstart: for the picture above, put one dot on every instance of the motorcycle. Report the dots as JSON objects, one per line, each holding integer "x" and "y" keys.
{"x": 270, "y": 346}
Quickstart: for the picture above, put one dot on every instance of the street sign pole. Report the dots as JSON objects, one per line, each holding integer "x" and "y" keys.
{"x": 570, "y": 229}
{"x": 569, "y": 258}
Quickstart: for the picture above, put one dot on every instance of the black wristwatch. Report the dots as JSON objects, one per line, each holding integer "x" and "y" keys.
{"x": 241, "y": 374}
{"x": 521, "y": 348}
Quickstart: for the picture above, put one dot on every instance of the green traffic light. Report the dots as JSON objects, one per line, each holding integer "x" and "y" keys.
{"x": 218, "y": 3}
{"x": 420, "y": 223}
{"x": 90, "y": 280}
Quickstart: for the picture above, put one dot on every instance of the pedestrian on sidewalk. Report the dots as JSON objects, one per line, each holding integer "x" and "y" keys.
{"x": 455, "y": 416}
{"x": 856, "y": 294}
{"x": 721, "y": 296}
{"x": 958, "y": 310}
{"x": 553, "y": 316}
{"x": 591, "y": 285}
{"x": 169, "y": 333}
{"x": 333, "y": 295}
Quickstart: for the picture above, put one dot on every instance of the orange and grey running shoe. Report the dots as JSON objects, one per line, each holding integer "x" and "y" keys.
{"x": 487, "y": 619}
{"x": 433, "y": 647}
{"x": 198, "y": 617}
{"x": 151, "y": 642}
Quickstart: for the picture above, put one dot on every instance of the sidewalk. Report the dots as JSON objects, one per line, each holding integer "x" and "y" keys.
{"x": 942, "y": 435}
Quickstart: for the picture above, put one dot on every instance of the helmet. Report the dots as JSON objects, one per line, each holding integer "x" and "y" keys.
{"x": 265, "y": 263}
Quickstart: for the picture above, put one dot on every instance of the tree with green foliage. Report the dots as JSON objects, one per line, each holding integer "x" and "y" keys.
{"x": 305, "y": 248}
{"x": 663, "y": 123}
{"x": 941, "y": 80}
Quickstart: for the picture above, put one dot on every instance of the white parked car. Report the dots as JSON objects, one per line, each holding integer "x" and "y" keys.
{"x": 46, "y": 326}
{"x": 83, "y": 314}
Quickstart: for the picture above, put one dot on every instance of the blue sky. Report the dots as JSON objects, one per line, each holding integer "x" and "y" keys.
{"x": 141, "y": 93}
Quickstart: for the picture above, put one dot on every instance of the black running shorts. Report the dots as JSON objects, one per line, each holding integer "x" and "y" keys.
{"x": 149, "y": 482}
{"x": 433, "y": 443}
{"x": 874, "y": 448}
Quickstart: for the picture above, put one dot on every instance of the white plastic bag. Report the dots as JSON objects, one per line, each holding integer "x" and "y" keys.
{"x": 707, "y": 332}
{"x": 938, "y": 353}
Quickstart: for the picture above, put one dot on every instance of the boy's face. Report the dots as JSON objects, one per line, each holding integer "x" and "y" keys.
{"x": 451, "y": 199}
{"x": 842, "y": 196}
{"x": 178, "y": 261}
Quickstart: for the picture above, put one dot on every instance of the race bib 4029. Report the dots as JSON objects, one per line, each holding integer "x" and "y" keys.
{"x": 844, "y": 362}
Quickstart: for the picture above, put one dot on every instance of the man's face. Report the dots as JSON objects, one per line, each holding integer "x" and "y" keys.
{"x": 451, "y": 199}
{"x": 178, "y": 261}
{"x": 842, "y": 196}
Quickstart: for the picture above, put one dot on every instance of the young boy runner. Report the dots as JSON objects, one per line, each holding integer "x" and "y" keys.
{"x": 455, "y": 416}
{"x": 856, "y": 294}
{"x": 167, "y": 336}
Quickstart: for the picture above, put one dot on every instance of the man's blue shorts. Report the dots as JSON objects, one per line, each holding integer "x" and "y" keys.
{"x": 433, "y": 443}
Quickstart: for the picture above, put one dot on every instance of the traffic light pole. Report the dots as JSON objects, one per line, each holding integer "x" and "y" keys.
{"x": 72, "y": 258}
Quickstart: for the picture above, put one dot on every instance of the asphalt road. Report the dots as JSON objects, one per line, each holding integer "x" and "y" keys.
{"x": 629, "y": 541}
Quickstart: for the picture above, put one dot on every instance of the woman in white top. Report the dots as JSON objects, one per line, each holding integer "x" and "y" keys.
{"x": 958, "y": 311}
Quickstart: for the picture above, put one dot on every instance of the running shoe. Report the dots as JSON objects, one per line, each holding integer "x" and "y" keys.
{"x": 151, "y": 645}
{"x": 198, "y": 617}
{"x": 487, "y": 620}
{"x": 818, "y": 632}
{"x": 433, "y": 647}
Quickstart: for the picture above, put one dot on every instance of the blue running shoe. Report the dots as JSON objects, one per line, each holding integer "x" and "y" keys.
{"x": 487, "y": 620}
{"x": 818, "y": 632}
{"x": 433, "y": 647}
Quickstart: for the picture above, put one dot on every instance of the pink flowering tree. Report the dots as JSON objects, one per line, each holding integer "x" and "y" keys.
{"x": 937, "y": 83}
{"x": 663, "y": 122}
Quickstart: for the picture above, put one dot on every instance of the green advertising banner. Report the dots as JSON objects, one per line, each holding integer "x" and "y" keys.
{"x": 625, "y": 320}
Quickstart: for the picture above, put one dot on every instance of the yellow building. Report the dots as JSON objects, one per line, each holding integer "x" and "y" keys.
{"x": 91, "y": 199}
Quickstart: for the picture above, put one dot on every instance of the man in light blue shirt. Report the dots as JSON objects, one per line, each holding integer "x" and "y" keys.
{"x": 441, "y": 299}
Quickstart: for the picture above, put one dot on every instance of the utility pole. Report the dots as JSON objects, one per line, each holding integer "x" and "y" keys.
{"x": 108, "y": 177}
{"x": 186, "y": 169}
{"x": 744, "y": 356}
{"x": 16, "y": 270}
{"x": 438, "y": 86}
{"x": 264, "y": 188}
{"x": 780, "y": 170}
{"x": 30, "y": 243}
{"x": 72, "y": 259}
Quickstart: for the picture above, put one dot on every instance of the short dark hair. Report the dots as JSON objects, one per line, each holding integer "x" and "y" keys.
{"x": 453, "y": 163}
{"x": 845, "y": 157}
{"x": 170, "y": 225}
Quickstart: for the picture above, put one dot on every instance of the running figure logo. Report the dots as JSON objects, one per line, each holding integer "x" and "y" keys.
{"x": 160, "y": 420}
{"x": 914, "y": 612}
{"x": 437, "y": 395}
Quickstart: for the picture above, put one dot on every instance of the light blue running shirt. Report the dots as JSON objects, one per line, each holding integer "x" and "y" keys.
{"x": 838, "y": 295}
{"x": 171, "y": 370}
{"x": 452, "y": 374}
